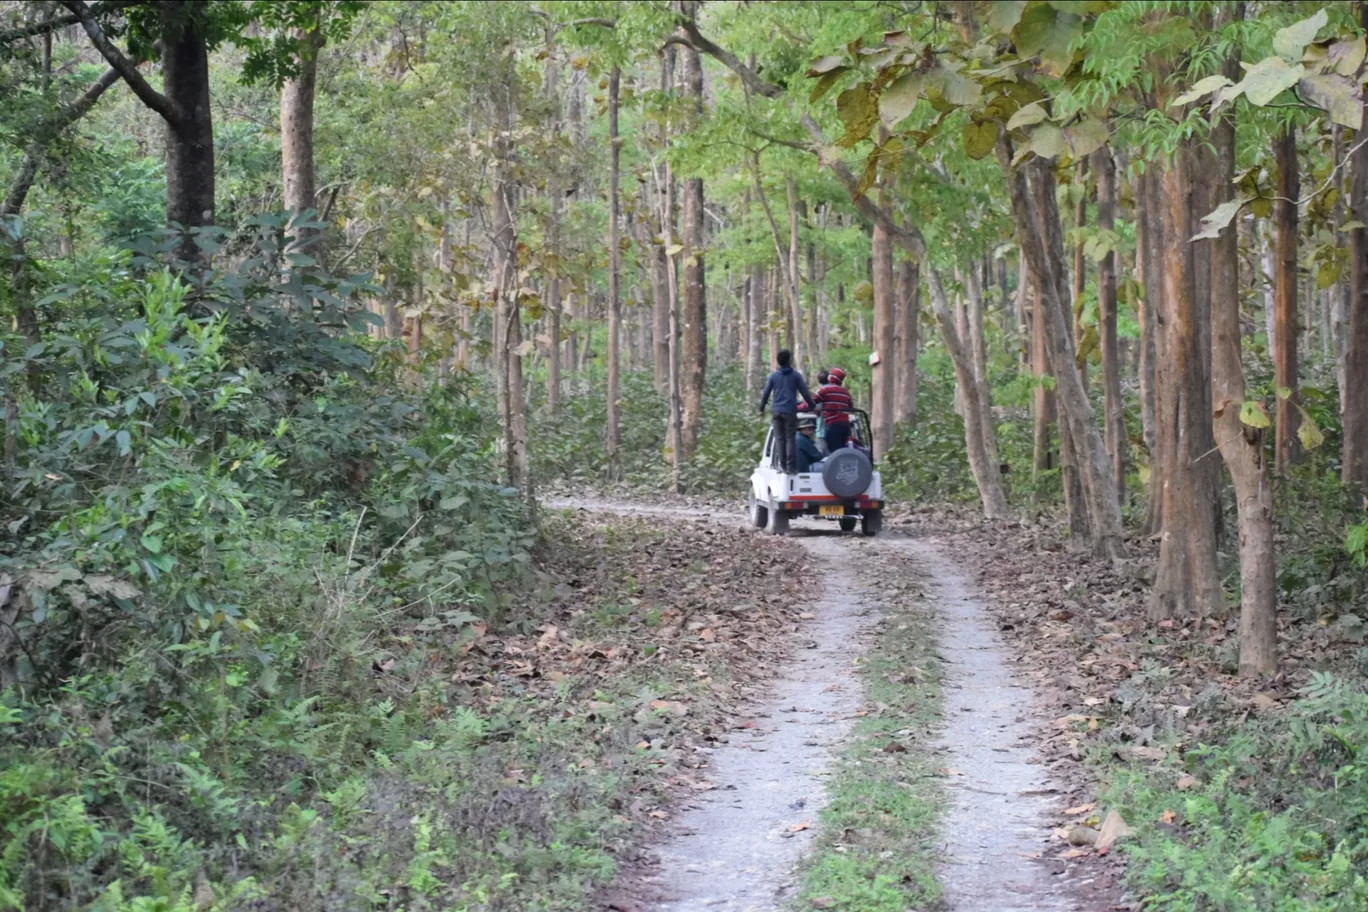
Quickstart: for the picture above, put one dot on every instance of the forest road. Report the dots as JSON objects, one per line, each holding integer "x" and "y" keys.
{"x": 737, "y": 848}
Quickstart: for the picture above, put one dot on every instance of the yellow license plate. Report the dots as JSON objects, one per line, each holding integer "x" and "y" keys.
{"x": 834, "y": 510}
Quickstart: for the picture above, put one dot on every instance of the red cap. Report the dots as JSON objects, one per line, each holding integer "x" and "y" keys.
{"x": 836, "y": 375}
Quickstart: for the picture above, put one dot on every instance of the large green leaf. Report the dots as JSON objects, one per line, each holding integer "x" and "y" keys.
{"x": 1048, "y": 141}
{"x": 1086, "y": 136}
{"x": 1347, "y": 56}
{"x": 1339, "y": 96}
{"x": 1291, "y": 41}
{"x": 1048, "y": 33}
{"x": 1003, "y": 15}
{"x": 899, "y": 97}
{"x": 1268, "y": 79}
{"x": 858, "y": 111}
{"x": 1203, "y": 88}
{"x": 1215, "y": 221}
{"x": 825, "y": 83}
{"x": 1252, "y": 414}
{"x": 958, "y": 89}
{"x": 1027, "y": 116}
{"x": 980, "y": 138}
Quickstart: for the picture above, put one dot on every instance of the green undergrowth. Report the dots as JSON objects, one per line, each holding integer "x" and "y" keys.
{"x": 877, "y": 843}
{"x": 1268, "y": 815}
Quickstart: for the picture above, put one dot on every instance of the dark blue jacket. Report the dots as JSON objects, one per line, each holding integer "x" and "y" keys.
{"x": 806, "y": 451}
{"x": 785, "y": 383}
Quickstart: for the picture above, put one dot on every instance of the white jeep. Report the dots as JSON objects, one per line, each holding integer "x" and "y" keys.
{"x": 844, "y": 486}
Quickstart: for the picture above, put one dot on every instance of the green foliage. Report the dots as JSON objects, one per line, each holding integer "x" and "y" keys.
{"x": 1276, "y": 818}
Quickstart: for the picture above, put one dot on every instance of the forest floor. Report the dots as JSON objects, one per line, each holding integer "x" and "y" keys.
{"x": 900, "y": 753}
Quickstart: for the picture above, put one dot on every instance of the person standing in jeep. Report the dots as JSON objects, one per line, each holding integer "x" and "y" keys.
{"x": 835, "y": 403}
{"x": 786, "y": 385}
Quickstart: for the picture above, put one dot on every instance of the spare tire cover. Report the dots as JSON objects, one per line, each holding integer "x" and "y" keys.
{"x": 847, "y": 472}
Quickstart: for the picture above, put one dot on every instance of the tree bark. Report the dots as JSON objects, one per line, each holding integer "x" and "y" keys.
{"x": 755, "y": 314}
{"x": 1286, "y": 326}
{"x": 1242, "y": 446}
{"x": 508, "y": 311}
{"x": 614, "y": 278}
{"x": 982, "y": 464}
{"x": 695, "y": 314}
{"x": 1080, "y": 273}
{"x": 1355, "y": 450}
{"x": 885, "y": 371}
{"x": 298, "y": 181}
{"x": 795, "y": 299}
{"x": 1147, "y": 230}
{"x": 908, "y": 341}
{"x": 1041, "y": 233}
{"x": 1115, "y": 437}
{"x": 1043, "y": 401}
{"x": 1187, "y": 581}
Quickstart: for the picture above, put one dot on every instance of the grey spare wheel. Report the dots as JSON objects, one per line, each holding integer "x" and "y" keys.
{"x": 847, "y": 472}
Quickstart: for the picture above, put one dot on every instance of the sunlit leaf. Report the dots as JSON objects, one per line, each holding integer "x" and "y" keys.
{"x": 1027, "y": 116}
{"x": 1215, "y": 221}
{"x": 1003, "y": 15}
{"x": 899, "y": 97}
{"x": 1347, "y": 56}
{"x": 1048, "y": 141}
{"x": 1340, "y": 97}
{"x": 1308, "y": 432}
{"x": 1291, "y": 41}
{"x": 825, "y": 65}
{"x": 1203, "y": 88}
{"x": 1086, "y": 136}
{"x": 1253, "y": 415}
{"x": 1268, "y": 79}
{"x": 1048, "y": 33}
{"x": 957, "y": 88}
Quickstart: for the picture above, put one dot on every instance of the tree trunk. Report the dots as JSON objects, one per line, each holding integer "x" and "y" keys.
{"x": 614, "y": 278}
{"x": 979, "y": 355}
{"x": 1041, "y": 233}
{"x": 982, "y": 464}
{"x": 694, "y": 343}
{"x": 795, "y": 301}
{"x": 190, "y": 141}
{"x": 1147, "y": 230}
{"x": 885, "y": 371}
{"x": 1355, "y": 452}
{"x": 1187, "y": 581}
{"x": 508, "y": 315}
{"x": 1043, "y": 402}
{"x": 1286, "y": 328}
{"x": 1106, "y": 320}
{"x": 298, "y": 184}
{"x": 755, "y": 314}
{"x": 1080, "y": 273}
{"x": 908, "y": 341}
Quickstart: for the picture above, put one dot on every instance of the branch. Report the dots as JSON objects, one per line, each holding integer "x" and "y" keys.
{"x": 58, "y": 22}
{"x": 910, "y": 238}
{"x": 126, "y": 68}
{"x": 28, "y": 171}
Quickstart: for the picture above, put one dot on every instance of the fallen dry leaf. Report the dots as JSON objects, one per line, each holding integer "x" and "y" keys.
{"x": 1186, "y": 782}
{"x": 1114, "y": 827}
{"x": 798, "y": 827}
{"x": 1080, "y": 809}
{"x": 1168, "y": 817}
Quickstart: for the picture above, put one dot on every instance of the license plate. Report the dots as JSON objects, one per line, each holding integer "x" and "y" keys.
{"x": 835, "y": 510}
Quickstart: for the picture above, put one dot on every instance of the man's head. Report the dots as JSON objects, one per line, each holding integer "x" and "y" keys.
{"x": 822, "y": 377}
{"x": 836, "y": 375}
{"x": 785, "y": 357}
{"x": 807, "y": 425}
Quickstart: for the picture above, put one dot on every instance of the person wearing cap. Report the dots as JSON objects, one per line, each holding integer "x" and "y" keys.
{"x": 804, "y": 446}
{"x": 834, "y": 401}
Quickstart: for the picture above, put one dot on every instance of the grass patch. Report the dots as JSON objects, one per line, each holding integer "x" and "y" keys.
{"x": 876, "y": 848}
{"x": 1270, "y": 815}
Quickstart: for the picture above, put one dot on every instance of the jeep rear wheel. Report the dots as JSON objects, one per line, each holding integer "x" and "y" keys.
{"x": 871, "y": 523}
{"x": 759, "y": 513}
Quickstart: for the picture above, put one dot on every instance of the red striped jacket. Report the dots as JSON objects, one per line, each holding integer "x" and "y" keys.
{"x": 834, "y": 400}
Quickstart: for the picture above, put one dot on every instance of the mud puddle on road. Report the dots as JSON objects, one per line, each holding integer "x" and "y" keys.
{"x": 999, "y": 823}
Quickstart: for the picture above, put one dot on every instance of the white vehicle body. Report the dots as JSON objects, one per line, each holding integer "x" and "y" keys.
{"x": 776, "y": 497}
